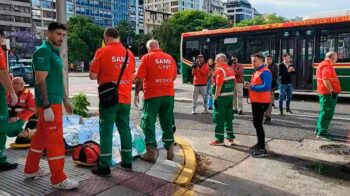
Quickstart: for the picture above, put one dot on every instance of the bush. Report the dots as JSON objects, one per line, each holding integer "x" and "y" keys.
{"x": 80, "y": 104}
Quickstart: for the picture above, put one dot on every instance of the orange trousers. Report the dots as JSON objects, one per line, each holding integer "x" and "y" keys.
{"x": 49, "y": 135}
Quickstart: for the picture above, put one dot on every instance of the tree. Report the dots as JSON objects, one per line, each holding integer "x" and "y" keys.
{"x": 261, "y": 20}
{"x": 84, "y": 38}
{"x": 78, "y": 50}
{"x": 126, "y": 32}
{"x": 169, "y": 32}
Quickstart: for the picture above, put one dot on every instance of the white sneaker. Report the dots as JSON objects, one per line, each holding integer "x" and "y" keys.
{"x": 193, "y": 111}
{"x": 38, "y": 174}
{"x": 66, "y": 184}
{"x": 229, "y": 142}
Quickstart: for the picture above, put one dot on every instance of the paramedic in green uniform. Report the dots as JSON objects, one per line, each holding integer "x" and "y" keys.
{"x": 328, "y": 88}
{"x": 223, "y": 100}
{"x": 5, "y": 85}
{"x": 105, "y": 68}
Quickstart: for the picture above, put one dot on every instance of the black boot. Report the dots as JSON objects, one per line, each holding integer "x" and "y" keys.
{"x": 8, "y": 166}
{"x": 281, "y": 112}
{"x": 267, "y": 121}
{"x": 126, "y": 166}
{"x": 102, "y": 171}
{"x": 289, "y": 111}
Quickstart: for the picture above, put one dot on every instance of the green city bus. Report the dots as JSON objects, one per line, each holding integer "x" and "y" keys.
{"x": 306, "y": 41}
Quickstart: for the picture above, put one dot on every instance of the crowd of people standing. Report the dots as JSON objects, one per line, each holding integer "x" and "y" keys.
{"x": 225, "y": 81}
{"x": 218, "y": 82}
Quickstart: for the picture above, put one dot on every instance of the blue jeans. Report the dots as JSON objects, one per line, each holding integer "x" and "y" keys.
{"x": 286, "y": 90}
{"x": 209, "y": 95}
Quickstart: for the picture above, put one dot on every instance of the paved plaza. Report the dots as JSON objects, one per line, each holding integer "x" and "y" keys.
{"x": 297, "y": 164}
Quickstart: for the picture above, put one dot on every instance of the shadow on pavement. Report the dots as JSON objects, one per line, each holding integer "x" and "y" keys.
{"x": 220, "y": 183}
{"x": 224, "y": 184}
{"x": 202, "y": 118}
{"x": 314, "y": 167}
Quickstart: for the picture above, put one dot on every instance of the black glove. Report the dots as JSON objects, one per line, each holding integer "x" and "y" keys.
{"x": 334, "y": 95}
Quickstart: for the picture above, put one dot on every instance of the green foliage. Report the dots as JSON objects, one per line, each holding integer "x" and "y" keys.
{"x": 125, "y": 31}
{"x": 84, "y": 38}
{"x": 78, "y": 49}
{"x": 80, "y": 104}
{"x": 136, "y": 42}
{"x": 261, "y": 20}
{"x": 169, "y": 32}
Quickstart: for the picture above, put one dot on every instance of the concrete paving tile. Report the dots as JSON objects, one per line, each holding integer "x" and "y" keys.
{"x": 66, "y": 193}
{"x": 141, "y": 166}
{"x": 120, "y": 175}
{"x": 224, "y": 184}
{"x": 169, "y": 189}
{"x": 94, "y": 186}
{"x": 166, "y": 170}
{"x": 3, "y": 193}
{"x": 119, "y": 190}
{"x": 143, "y": 183}
{"x": 14, "y": 183}
{"x": 234, "y": 153}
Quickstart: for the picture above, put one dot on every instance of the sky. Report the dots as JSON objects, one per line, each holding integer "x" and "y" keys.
{"x": 301, "y": 8}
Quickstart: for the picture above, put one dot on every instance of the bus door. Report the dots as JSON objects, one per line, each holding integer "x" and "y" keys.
{"x": 301, "y": 50}
{"x": 304, "y": 62}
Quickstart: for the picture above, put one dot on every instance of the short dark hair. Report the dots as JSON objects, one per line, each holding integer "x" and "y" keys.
{"x": 56, "y": 25}
{"x": 269, "y": 56}
{"x": 285, "y": 55}
{"x": 22, "y": 140}
{"x": 1, "y": 33}
{"x": 234, "y": 57}
{"x": 111, "y": 32}
{"x": 31, "y": 124}
{"x": 259, "y": 55}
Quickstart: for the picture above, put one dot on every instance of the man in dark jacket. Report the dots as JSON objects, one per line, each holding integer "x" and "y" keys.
{"x": 286, "y": 71}
{"x": 274, "y": 71}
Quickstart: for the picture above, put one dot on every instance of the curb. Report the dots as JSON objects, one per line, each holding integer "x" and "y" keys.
{"x": 190, "y": 166}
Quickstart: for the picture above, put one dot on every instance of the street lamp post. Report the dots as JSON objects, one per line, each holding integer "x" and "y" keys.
{"x": 62, "y": 18}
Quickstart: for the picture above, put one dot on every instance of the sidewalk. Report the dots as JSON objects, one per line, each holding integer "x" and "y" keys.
{"x": 308, "y": 167}
{"x": 78, "y": 74}
{"x": 145, "y": 179}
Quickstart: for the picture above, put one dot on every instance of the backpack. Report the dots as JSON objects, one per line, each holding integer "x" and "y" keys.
{"x": 86, "y": 154}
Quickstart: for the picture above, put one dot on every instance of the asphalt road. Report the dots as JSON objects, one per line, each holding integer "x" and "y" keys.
{"x": 295, "y": 127}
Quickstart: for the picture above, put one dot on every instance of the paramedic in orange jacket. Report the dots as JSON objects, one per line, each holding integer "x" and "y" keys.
{"x": 328, "y": 88}
{"x": 22, "y": 111}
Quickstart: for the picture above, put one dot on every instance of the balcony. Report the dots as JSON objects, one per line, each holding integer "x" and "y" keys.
{"x": 13, "y": 13}
{"x": 15, "y": 24}
{"x": 16, "y": 3}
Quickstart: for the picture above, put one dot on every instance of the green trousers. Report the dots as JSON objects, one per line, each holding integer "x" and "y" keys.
{"x": 223, "y": 117}
{"x": 164, "y": 107}
{"x": 327, "y": 107}
{"x": 6, "y": 129}
{"x": 120, "y": 115}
